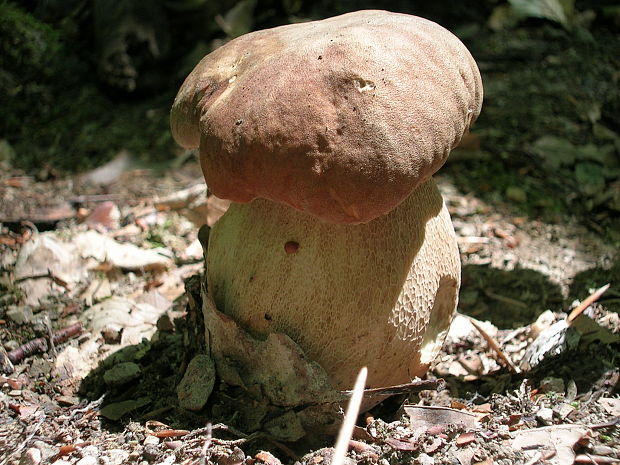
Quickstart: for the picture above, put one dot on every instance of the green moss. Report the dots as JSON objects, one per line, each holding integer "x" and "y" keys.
{"x": 27, "y": 44}
{"x": 56, "y": 115}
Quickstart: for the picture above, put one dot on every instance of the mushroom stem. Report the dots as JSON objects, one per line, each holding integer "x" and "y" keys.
{"x": 380, "y": 294}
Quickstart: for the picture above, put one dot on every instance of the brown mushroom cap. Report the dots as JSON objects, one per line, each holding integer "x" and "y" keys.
{"x": 341, "y": 118}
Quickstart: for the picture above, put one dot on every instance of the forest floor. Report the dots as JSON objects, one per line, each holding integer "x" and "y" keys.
{"x": 94, "y": 343}
{"x": 99, "y": 270}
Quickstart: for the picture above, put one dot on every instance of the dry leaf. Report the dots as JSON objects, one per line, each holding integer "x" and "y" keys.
{"x": 465, "y": 456}
{"x": 399, "y": 444}
{"x": 562, "y": 437}
{"x": 434, "y": 446}
{"x": 92, "y": 245}
{"x": 24, "y": 411}
{"x": 464, "y": 439}
{"x": 137, "y": 321}
{"x": 611, "y": 405}
{"x": 267, "y": 458}
{"x": 106, "y": 215}
{"x": 421, "y": 416}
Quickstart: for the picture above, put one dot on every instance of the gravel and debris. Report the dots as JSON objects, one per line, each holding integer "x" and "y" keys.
{"x": 522, "y": 383}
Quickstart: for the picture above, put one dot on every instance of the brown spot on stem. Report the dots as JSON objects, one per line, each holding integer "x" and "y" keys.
{"x": 291, "y": 247}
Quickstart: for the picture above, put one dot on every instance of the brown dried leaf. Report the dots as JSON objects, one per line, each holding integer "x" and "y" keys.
{"x": 483, "y": 408}
{"x": 267, "y": 458}
{"x": 455, "y": 404}
{"x": 24, "y": 411}
{"x": 106, "y": 215}
{"x": 434, "y": 446}
{"x": 464, "y": 439}
{"x": 465, "y": 456}
{"x": 154, "y": 424}
{"x": 421, "y": 416}
{"x": 399, "y": 444}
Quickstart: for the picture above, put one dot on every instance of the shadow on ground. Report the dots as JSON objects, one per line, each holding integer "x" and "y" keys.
{"x": 593, "y": 278}
{"x": 508, "y": 299}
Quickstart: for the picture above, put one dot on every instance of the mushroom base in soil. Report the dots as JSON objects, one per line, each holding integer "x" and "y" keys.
{"x": 380, "y": 294}
{"x": 337, "y": 248}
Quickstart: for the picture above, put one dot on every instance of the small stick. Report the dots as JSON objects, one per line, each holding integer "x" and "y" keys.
{"x": 238, "y": 442}
{"x": 94, "y": 198}
{"x": 586, "y": 303}
{"x": 206, "y": 445}
{"x": 92, "y": 405}
{"x": 413, "y": 386}
{"x": 40, "y": 344}
{"x": 506, "y": 300}
{"x": 48, "y": 275}
{"x": 495, "y": 346}
{"x": 50, "y": 335}
{"x": 615, "y": 421}
{"x": 346, "y": 430}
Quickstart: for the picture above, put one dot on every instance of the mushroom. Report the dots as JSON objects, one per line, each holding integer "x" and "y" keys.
{"x": 325, "y": 135}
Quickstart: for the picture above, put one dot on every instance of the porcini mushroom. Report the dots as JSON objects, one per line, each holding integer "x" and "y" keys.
{"x": 325, "y": 136}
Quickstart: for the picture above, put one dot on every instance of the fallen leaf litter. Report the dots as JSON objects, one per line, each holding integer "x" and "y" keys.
{"x": 503, "y": 419}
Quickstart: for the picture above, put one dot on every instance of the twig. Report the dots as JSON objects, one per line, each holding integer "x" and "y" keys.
{"x": 206, "y": 445}
{"x": 506, "y": 300}
{"x": 514, "y": 333}
{"x": 40, "y": 344}
{"x": 238, "y": 442}
{"x": 216, "y": 427}
{"x": 587, "y": 302}
{"x": 48, "y": 275}
{"x": 346, "y": 430}
{"x": 495, "y": 346}
{"x": 94, "y": 198}
{"x": 413, "y": 386}
{"x": 92, "y": 405}
{"x": 611, "y": 423}
{"x": 50, "y": 336}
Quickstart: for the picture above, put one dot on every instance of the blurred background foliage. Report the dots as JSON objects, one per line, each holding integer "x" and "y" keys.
{"x": 81, "y": 80}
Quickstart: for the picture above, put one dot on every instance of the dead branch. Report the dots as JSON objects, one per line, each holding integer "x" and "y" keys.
{"x": 41, "y": 345}
{"x": 79, "y": 199}
{"x": 49, "y": 275}
{"x": 206, "y": 445}
{"x": 413, "y": 386}
{"x": 350, "y": 417}
{"x": 587, "y": 302}
{"x": 495, "y": 346}
{"x": 615, "y": 421}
